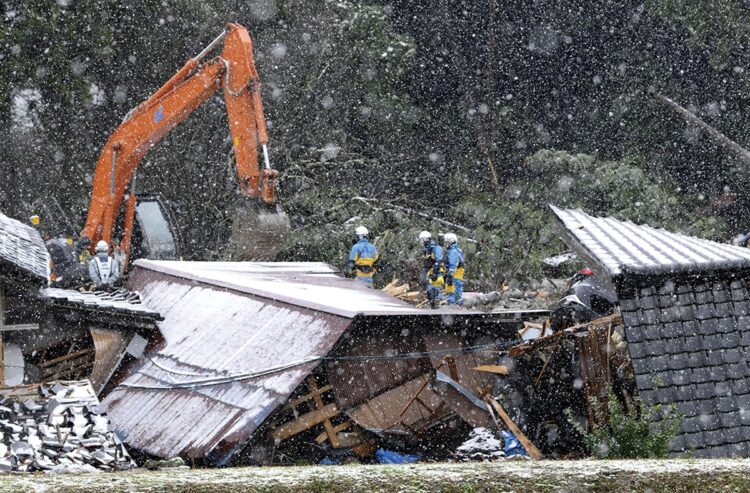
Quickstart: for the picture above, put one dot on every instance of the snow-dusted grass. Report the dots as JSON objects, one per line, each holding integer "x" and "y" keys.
{"x": 546, "y": 476}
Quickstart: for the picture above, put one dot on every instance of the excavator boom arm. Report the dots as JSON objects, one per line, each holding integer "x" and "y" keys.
{"x": 234, "y": 71}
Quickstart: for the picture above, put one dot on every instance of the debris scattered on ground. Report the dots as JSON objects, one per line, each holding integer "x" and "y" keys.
{"x": 405, "y": 292}
{"x": 483, "y": 444}
{"x": 154, "y": 465}
{"x": 64, "y": 429}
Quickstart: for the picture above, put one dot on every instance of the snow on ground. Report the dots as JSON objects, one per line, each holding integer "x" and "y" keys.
{"x": 552, "y": 476}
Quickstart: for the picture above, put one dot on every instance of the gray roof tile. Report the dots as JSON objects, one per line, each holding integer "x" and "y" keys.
{"x": 741, "y": 386}
{"x": 121, "y": 301}
{"x": 22, "y": 249}
{"x": 727, "y": 404}
{"x": 693, "y": 343}
{"x": 635, "y": 334}
{"x": 730, "y": 420}
{"x": 732, "y": 355}
{"x": 693, "y": 440}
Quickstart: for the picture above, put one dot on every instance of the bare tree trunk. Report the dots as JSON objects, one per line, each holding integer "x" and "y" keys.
{"x": 718, "y": 137}
{"x": 487, "y": 139}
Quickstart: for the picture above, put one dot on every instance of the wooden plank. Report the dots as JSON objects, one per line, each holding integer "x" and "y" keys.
{"x": 453, "y": 369}
{"x": 609, "y": 320}
{"x": 2, "y": 327}
{"x": 534, "y": 452}
{"x": 546, "y": 363}
{"x": 340, "y": 427}
{"x": 2, "y": 360}
{"x": 414, "y": 397}
{"x": 332, "y": 436}
{"x": 307, "y": 397}
{"x": 593, "y": 360}
{"x": 17, "y": 327}
{"x": 387, "y": 288}
{"x": 65, "y": 357}
{"x": 499, "y": 369}
{"x": 305, "y": 422}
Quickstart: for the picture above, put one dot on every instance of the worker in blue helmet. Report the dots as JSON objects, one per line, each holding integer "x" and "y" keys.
{"x": 363, "y": 258}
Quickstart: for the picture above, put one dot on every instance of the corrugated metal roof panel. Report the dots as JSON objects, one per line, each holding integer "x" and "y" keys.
{"x": 22, "y": 249}
{"x": 623, "y": 247}
{"x": 312, "y": 285}
{"x": 211, "y": 336}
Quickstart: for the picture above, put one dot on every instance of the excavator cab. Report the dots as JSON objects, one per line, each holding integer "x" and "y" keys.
{"x": 155, "y": 235}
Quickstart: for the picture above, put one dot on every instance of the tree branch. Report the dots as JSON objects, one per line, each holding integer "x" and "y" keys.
{"x": 718, "y": 137}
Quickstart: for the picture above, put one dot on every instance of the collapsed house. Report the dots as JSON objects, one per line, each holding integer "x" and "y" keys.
{"x": 686, "y": 311}
{"x": 258, "y": 358}
{"x": 50, "y": 334}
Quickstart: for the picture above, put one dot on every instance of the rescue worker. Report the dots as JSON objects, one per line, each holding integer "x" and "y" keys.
{"x": 432, "y": 277}
{"x": 453, "y": 263}
{"x": 363, "y": 258}
{"x": 104, "y": 270}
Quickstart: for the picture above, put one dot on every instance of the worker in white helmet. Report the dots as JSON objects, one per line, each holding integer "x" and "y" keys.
{"x": 104, "y": 270}
{"x": 453, "y": 263}
{"x": 432, "y": 272}
{"x": 363, "y": 257}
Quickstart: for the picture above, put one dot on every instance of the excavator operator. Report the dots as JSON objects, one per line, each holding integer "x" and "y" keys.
{"x": 363, "y": 258}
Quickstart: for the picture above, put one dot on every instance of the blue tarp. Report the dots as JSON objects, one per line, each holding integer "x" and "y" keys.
{"x": 512, "y": 446}
{"x": 391, "y": 457}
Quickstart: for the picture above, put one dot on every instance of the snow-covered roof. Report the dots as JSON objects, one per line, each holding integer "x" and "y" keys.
{"x": 621, "y": 247}
{"x": 314, "y": 285}
{"x": 22, "y": 250}
{"x": 120, "y": 301}
{"x": 199, "y": 393}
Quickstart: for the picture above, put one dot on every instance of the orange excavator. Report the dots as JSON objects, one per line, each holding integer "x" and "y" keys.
{"x": 259, "y": 225}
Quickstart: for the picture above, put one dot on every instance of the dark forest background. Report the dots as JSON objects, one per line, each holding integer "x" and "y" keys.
{"x": 474, "y": 113}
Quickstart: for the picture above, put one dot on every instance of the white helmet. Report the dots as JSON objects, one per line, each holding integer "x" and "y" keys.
{"x": 424, "y": 237}
{"x": 361, "y": 232}
{"x": 450, "y": 238}
{"x": 102, "y": 246}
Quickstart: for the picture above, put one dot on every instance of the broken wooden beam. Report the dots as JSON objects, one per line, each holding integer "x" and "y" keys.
{"x": 305, "y": 422}
{"x": 307, "y": 397}
{"x": 497, "y": 369}
{"x": 336, "y": 429}
{"x": 332, "y": 434}
{"x": 534, "y": 452}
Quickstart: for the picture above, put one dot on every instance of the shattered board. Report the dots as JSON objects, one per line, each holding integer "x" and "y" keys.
{"x": 63, "y": 429}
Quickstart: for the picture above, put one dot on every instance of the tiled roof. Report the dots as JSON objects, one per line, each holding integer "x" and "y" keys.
{"x": 121, "y": 301}
{"x": 623, "y": 247}
{"x": 690, "y": 345}
{"x": 22, "y": 250}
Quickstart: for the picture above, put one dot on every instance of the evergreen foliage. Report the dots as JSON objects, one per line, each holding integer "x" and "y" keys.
{"x": 474, "y": 115}
{"x": 646, "y": 435}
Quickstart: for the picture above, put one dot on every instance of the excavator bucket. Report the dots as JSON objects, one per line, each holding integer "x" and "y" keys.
{"x": 258, "y": 231}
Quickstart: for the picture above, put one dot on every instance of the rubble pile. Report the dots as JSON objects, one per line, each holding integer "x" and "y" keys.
{"x": 482, "y": 445}
{"x": 536, "y": 296}
{"x": 64, "y": 429}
